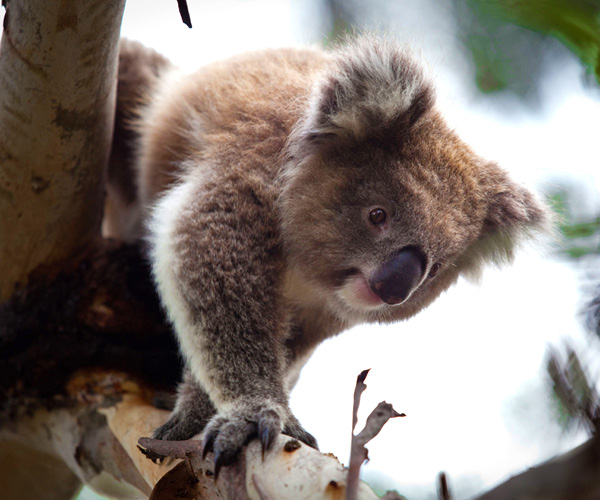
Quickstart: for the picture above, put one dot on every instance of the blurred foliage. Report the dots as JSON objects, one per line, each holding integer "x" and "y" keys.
{"x": 509, "y": 57}
{"x": 510, "y": 41}
{"x": 341, "y": 16}
{"x": 575, "y": 23}
{"x": 506, "y": 57}
{"x": 581, "y": 238}
{"x": 582, "y": 229}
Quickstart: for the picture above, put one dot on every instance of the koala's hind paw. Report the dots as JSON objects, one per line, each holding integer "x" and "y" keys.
{"x": 192, "y": 412}
{"x": 180, "y": 426}
{"x": 295, "y": 430}
{"x": 225, "y": 436}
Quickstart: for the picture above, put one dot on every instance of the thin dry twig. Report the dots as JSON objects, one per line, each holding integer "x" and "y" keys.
{"x": 184, "y": 12}
{"x": 375, "y": 422}
{"x": 156, "y": 449}
{"x": 358, "y": 390}
{"x": 443, "y": 488}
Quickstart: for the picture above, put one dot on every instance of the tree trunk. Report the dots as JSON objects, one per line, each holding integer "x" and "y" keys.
{"x": 58, "y": 63}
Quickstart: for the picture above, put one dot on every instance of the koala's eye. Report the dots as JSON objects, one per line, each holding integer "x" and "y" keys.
{"x": 434, "y": 270}
{"x": 377, "y": 217}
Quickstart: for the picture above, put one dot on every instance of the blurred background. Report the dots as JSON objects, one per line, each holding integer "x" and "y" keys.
{"x": 519, "y": 82}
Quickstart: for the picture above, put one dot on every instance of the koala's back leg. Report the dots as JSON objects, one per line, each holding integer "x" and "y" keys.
{"x": 140, "y": 70}
{"x": 192, "y": 412}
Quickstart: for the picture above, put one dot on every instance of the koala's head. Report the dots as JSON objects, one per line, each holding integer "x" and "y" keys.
{"x": 383, "y": 206}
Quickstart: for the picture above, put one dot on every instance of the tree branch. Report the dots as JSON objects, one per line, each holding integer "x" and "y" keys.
{"x": 575, "y": 474}
{"x": 289, "y": 470}
{"x": 98, "y": 439}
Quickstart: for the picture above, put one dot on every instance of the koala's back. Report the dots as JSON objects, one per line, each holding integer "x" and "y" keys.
{"x": 231, "y": 119}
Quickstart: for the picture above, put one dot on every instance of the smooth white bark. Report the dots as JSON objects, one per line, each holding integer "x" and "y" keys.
{"x": 58, "y": 62}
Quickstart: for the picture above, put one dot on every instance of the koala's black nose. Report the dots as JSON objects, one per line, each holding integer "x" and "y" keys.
{"x": 397, "y": 278}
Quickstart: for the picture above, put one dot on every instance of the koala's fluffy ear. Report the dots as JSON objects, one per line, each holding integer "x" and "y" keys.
{"x": 514, "y": 215}
{"x": 514, "y": 209}
{"x": 371, "y": 89}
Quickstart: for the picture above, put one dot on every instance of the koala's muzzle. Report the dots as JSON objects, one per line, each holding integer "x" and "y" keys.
{"x": 397, "y": 278}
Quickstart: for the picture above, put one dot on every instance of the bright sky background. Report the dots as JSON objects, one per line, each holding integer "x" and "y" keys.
{"x": 468, "y": 372}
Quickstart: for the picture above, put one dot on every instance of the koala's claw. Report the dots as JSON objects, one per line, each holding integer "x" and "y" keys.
{"x": 269, "y": 426}
{"x": 218, "y": 463}
{"x": 226, "y": 436}
{"x": 209, "y": 442}
{"x": 226, "y": 457}
{"x": 266, "y": 440}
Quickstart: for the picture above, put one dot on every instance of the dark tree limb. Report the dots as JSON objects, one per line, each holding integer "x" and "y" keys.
{"x": 58, "y": 64}
{"x": 576, "y": 474}
{"x": 572, "y": 476}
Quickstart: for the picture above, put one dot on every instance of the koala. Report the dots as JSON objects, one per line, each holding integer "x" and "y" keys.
{"x": 285, "y": 196}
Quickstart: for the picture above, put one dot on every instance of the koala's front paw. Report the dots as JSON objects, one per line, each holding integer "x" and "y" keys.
{"x": 226, "y": 435}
